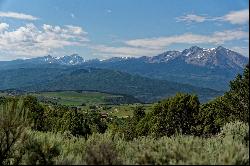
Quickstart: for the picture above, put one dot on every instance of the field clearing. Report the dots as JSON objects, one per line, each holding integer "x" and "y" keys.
{"x": 126, "y": 110}
{"x": 72, "y": 98}
{"x": 3, "y": 94}
{"x": 85, "y": 100}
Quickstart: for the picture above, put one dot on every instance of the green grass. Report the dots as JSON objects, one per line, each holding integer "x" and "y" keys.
{"x": 71, "y": 98}
{"x": 3, "y": 94}
{"x": 126, "y": 110}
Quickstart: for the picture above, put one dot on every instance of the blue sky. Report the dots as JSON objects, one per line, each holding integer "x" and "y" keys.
{"x": 107, "y": 28}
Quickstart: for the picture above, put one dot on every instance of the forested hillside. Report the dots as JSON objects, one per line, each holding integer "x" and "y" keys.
{"x": 104, "y": 80}
{"x": 210, "y": 68}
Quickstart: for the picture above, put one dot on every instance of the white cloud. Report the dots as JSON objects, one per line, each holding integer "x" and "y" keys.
{"x": 76, "y": 30}
{"x": 242, "y": 50}
{"x": 234, "y": 17}
{"x": 191, "y": 18}
{"x": 237, "y": 17}
{"x": 153, "y": 46}
{"x": 32, "y": 41}
{"x": 15, "y": 15}
{"x": 125, "y": 51}
{"x": 3, "y": 26}
{"x": 190, "y": 38}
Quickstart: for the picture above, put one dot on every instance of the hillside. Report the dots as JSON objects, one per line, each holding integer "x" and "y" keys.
{"x": 209, "y": 68}
{"x": 53, "y": 79}
{"x": 83, "y": 98}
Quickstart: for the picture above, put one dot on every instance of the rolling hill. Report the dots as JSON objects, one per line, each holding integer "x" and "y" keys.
{"x": 104, "y": 80}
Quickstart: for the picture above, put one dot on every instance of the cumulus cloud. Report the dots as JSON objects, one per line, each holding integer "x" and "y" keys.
{"x": 153, "y": 46}
{"x": 15, "y": 15}
{"x": 237, "y": 17}
{"x": 32, "y": 41}
{"x": 76, "y": 30}
{"x": 3, "y": 26}
{"x": 189, "y": 38}
{"x": 234, "y": 17}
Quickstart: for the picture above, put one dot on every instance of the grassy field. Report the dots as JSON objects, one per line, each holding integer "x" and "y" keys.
{"x": 71, "y": 98}
{"x": 3, "y": 94}
{"x": 126, "y": 110}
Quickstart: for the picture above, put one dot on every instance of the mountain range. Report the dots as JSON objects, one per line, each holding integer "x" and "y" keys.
{"x": 206, "y": 72}
{"x": 92, "y": 79}
{"x": 211, "y": 58}
{"x": 209, "y": 68}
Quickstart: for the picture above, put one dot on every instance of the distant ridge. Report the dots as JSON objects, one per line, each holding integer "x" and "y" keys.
{"x": 209, "y": 68}
{"x": 91, "y": 79}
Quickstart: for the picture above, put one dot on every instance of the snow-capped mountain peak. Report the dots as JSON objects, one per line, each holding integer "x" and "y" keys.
{"x": 164, "y": 57}
{"x": 73, "y": 59}
{"x": 220, "y": 57}
{"x": 206, "y": 57}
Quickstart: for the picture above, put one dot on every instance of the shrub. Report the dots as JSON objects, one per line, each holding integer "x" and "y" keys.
{"x": 2, "y": 99}
{"x": 62, "y": 118}
{"x": 40, "y": 152}
{"x": 101, "y": 153}
{"x": 237, "y": 98}
{"x": 238, "y": 131}
{"x": 184, "y": 150}
{"x": 138, "y": 113}
{"x": 178, "y": 149}
{"x": 232, "y": 106}
{"x": 71, "y": 149}
{"x": 212, "y": 116}
{"x": 93, "y": 107}
{"x": 176, "y": 114}
{"x": 36, "y": 112}
{"x": 13, "y": 121}
{"x": 95, "y": 122}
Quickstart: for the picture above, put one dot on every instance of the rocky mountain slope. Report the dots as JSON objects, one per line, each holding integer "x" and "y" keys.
{"x": 209, "y": 68}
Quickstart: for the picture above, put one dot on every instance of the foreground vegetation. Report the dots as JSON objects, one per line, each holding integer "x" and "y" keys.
{"x": 177, "y": 130}
{"x": 230, "y": 146}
